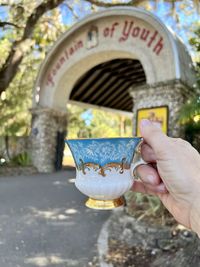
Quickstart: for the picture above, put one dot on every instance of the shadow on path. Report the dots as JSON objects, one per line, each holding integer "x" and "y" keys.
{"x": 43, "y": 222}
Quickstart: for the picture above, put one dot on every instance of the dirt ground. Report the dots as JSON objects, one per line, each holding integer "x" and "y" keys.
{"x": 134, "y": 243}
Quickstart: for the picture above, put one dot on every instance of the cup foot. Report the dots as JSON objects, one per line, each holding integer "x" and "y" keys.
{"x": 104, "y": 204}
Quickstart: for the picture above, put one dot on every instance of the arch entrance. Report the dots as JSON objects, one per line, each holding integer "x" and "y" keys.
{"x": 123, "y": 59}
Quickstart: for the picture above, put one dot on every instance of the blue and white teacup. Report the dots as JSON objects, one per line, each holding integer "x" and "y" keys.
{"x": 104, "y": 168}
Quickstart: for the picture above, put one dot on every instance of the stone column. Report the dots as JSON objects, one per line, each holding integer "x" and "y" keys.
{"x": 46, "y": 123}
{"x": 172, "y": 94}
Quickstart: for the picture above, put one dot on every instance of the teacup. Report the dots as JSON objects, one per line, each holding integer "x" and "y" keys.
{"x": 104, "y": 168}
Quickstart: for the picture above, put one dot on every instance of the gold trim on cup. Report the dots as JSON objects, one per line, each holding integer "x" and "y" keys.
{"x": 104, "y": 204}
{"x": 101, "y": 169}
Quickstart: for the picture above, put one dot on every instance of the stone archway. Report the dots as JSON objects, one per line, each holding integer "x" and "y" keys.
{"x": 113, "y": 34}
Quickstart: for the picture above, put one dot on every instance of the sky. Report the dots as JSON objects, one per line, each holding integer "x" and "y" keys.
{"x": 182, "y": 29}
{"x": 186, "y": 16}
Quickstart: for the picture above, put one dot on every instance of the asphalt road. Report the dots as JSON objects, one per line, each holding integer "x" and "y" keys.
{"x": 43, "y": 222}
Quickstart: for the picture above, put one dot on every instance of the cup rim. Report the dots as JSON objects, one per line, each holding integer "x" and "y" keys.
{"x": 104, "y": 138}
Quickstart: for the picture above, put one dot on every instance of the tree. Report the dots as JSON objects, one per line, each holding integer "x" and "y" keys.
{"x": 190, "y": 112}
{"x": 21, "y": 45}
{"x": 29, "y": 29}
{"x": 23, "y": 18}
{"x": 16, "y": 100}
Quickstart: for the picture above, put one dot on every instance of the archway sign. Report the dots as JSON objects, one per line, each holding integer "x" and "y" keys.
{"x": 128, "y": 46}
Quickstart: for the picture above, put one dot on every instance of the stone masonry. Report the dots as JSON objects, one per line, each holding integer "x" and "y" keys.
{"x": 46, "y": 123}
{"x": 171, "y": 93}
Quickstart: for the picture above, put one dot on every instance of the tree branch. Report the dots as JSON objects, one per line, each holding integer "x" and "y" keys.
{"x": 5, "y": 23}
{"x": 72, "y": 10}
{"x": 37, "y": 14}
{"x": 20, "y": 47}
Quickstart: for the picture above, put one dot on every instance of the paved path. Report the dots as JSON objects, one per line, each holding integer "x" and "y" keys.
{"x": 43, "y": 222}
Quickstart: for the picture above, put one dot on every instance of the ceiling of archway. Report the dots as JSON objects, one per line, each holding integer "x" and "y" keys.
{"x": 108, "y": 84}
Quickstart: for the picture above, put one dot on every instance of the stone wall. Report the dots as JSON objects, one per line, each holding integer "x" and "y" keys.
{"x": 17, "y": 170}
{"x": 172, "y": 94}
{"x": 46, "y": 123}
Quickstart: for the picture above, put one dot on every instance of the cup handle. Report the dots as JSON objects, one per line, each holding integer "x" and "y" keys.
{"x": 137, "y": 160}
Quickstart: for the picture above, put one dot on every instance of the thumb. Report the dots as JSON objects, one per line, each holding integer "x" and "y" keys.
{"x": 153, "y": 135}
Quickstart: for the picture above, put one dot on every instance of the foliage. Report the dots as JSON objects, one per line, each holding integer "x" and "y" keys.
{"x": 195, "y": 43}
{"x": 22, "y": 159}
{"x": 190, "y": 112}
{"x": 14, "y": 117}
{"x": 16, "y": 100}
{"x": 86, "y": 123}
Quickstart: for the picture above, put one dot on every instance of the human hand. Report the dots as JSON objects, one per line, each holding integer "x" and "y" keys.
{"x": 176, "y": 178}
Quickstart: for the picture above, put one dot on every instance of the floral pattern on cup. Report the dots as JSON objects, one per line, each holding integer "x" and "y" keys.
{"x": 102, "y": 153}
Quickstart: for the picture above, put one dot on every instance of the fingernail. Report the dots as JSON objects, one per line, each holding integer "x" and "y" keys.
{"x": 151, "y": 179}
{"x": 145, "y": 122}
{"x": 157, "y": 125}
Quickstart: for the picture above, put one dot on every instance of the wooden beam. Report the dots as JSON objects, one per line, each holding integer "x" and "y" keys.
{"x": 133, "y": 77}
{"x": 119, "y": 98}
{"x": 128, "y": 107}
{"x": 123, "y": 104}
{"x": 110, "y": 63}
{"x": 111, "y": 90}
{"x": 96, "y": 87}
{"x": 124, "y": 67}
{"x": 130, "y": 70}
{"x": 118, "y": 92}
{"x": 108, "y": 90}
{"x": 88, "y": 79}
{"x": 103, "y": 88}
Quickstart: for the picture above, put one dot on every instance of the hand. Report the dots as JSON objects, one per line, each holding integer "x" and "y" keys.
{"x": 176, "y": 178}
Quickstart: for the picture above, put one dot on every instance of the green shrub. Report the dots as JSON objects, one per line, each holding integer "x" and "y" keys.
{"x": 22, "y": 159}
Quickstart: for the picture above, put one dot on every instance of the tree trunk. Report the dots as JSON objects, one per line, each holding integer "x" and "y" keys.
{"x": 22, "y": 46}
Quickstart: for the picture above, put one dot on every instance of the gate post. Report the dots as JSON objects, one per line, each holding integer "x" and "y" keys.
{"x": 171, "y": 93}
{"x": 46, "y": 124}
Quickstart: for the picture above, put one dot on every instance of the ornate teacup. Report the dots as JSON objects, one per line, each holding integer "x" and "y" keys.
{"x": 104, "y": 168}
